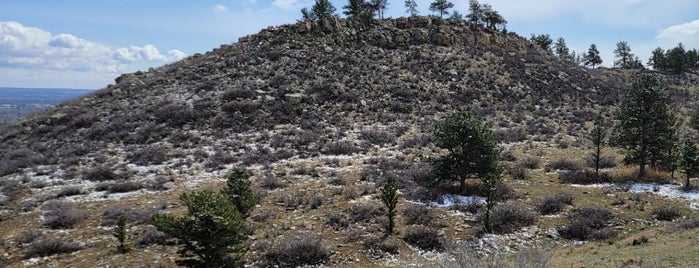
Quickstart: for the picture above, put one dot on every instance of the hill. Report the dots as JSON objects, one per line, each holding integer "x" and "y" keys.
{"x": 319, "y": 112}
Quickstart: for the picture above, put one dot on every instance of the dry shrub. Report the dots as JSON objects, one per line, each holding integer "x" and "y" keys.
{"x": 336, "y": 220}
{"x": 100, "y": 173}
{"x": 531, "y": 162}
{"x": 423, "y": 237}
{"x": 584, "y": 177}
{"x": 43, "y": 246}
{"x": 360, "y": 212}
{"x": 605, "y": 161}
{"x": 507, "y": 217}
{"x": 389, "y": 246}
{"x": 554, "y": 204}
{"x": 149, "y": 155}
{"x": 588, "y": 223}
{"x": 517, "y": 171}
{"x": 343, "y": 147}
{"x": 69, "y": 191}
{"x": 376, "y": 136}
{"x": 137, "y": 216}
{"x": 119, "y": 187}
{"x": 416, "y": 141}
{"x": 666, "y": 213}
{"x": 418, "y": 214}
{"x": 61, "y": 215}
{"x": 300, "y": 249}
{"x": 150, "y": 236}
{"x": 562, "y": 164}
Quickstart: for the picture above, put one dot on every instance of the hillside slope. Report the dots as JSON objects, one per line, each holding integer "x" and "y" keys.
{"x": 318, "y": 108}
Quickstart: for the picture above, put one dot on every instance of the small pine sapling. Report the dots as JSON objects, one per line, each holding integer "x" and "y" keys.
{"x": 389, "y": 197}
{"x": 119, "y": 233}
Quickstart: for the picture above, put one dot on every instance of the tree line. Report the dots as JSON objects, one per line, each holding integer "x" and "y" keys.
{"x": 676, "y": 60}
{"x": 482, "y": 15}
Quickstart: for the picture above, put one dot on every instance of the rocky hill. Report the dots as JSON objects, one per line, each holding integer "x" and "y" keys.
{"x": 313, "y": 108}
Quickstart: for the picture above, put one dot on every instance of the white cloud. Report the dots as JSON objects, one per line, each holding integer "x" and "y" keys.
{"x": 687, "y": 33}
{"x": 288, "y": 4}
{"x": 219, "y": 8}
{"x": 35, "y": 50}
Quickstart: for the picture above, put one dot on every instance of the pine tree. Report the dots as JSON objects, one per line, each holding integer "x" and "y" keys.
{"x": 411, "y": 7}
{"x": 119, "y": 233}
{"x": 473, "y": 151}
{"x": 593, "y": 57}
{"x": 624, "y": 57}
{"x": 689, "y": 161}
{"x": 646, "y": 123}
{"x": 492, "y": 18}
{"x": 441, "y": 6}
{"x": 379, "y": 6}
{"x": 597, "y": 137}
{"x": 389, "y": 198}
{"x": 323, "y": 9}
{"x": 239, "y": 191}
{"x": 212, "y": 233}
{"x": 543, "y": 41}
{"x": 475, "y": 13}
{"x": 561, "y": 49}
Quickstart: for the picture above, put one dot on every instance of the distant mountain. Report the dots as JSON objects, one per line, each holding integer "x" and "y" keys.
{"x": 18, "y": 102}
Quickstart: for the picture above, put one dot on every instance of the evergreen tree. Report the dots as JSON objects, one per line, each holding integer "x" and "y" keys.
{"x": 657, "y": 59}
{"x": 441, "y": 6}
{"x": 354, "y": 8}
{"x": 624, "y": 57}
{"x": 543, "y": 41}
{"x": 411, "y": 7}
{"x": 323, "y": 9}
{"x": 597, "y": 137}
{"x": 675, "y": 59}
{"x": 307, "y": 14}
{"x": 119, "y": 233}
{"x": 593, "y": 57}
{"x": 389, "y": 198}
{"x": 212, "y": 233}
{"x": 239, "y": 191}
{"x": 379, "y": 6}
{"x": 689, "y": 161}
{"x": 456, "y": 15}
{"x": 492, "y": 18}
{"x": 473, "y": 151}
{"x": 475, "y": 13}
{"x": 490, "y": 183}
{"x": 646, "y": 123}
{"x": 561, "y": 49}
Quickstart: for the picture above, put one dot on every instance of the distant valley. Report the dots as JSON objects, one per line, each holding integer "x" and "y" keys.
{"x": 16, "y": 103}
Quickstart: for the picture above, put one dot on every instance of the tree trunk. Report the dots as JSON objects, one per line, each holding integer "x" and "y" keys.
{"x": 462, "y": 182}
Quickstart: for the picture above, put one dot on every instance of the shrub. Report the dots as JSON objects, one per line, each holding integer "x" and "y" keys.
{"x": 69, "y": 191}
{"x": 359, "y": 212}
{"x": 343, "y": 147}
{"x": 666, "y": 213}
{"x": 111, "y": 215}
{"x": 417, "y": 214}
{"x": 423, "y": 237}
{"x": 10, "y": 188}
{"x": 390, "y": 246}
{"x": 46, "y": 246}
{"x": 149, "y": 155}
{"x": 518, "y": 171}
{"x": 530, "y": 162}
{"x": 100, "y": 173}
{"x": 61, "y": 215}
{"x": 508, "y": 135}
{"x": 416, "y": 141}
{"x": 587, "y": 223}
{"x": 269, "y": 181}
{"x": 472, "y": 206}
{"x": 562, "y": 164}
{"x": 336, "y": 220}
{"x": 685, "y": 224}
{"x": 119, "y": 187}
{"x": 507, "y": 217}
{"x": 376, "y": 136}
{"x": 238, "y": 190}
{"x": 584, "y": 177}
{"x": 553, "y": 204}
{"x": 298, "y": 250}
{"x": 507, "y": 155}
{"x": 150, "y": 236}
{"x": 605, "y": 161}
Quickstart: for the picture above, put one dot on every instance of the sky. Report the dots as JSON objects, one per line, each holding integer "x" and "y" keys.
{"x": 87, "y": 43}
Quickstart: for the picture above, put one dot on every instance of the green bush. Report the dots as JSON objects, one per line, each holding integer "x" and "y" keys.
{"x": 212, "y": 234}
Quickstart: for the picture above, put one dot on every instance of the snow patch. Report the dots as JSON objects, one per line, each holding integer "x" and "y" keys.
{"x": 449, "y": 200}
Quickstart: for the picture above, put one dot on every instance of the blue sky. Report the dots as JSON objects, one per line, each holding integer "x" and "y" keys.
{"x": 87, "y": 43}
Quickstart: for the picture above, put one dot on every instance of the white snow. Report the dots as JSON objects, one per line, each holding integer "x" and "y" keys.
{"x": 672, "y": 191}
{"x": 450, "y": 200}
